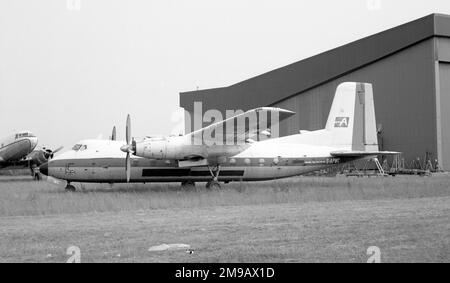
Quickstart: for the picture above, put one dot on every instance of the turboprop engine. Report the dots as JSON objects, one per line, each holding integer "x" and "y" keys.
{"x": 42, "y": 155}
{"x": 174, "y": 147}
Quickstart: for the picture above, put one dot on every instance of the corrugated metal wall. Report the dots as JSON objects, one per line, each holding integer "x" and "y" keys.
{"x": 406, "y": 84}
{"x": 444, "y": 80}
{"x": 283, "y": 82}
{"x": 404, "y": 101}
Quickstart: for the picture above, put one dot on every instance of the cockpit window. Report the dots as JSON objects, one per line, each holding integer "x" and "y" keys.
{"x": 76, "y": 147}
{"x": 24, "y": 135}
{"x": 79, "y": 147}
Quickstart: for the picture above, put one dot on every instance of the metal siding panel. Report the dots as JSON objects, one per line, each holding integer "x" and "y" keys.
{"x": 404, "y": 90}
{"x": 443, "y": 49}
{"x": 300, "y": 76}
{"x": 444, "y": 79}
{"x": 442, "y": 25}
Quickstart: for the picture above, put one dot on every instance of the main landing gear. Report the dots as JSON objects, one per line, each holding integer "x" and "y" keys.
{"x": 35, "y": 173}
{"x": 187, "y": 185}
{"x": 214, "y": 183}
{"x": 70, "y": 188}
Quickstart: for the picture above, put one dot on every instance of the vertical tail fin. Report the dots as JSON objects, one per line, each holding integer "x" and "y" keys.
{"x": 352, "y": 117}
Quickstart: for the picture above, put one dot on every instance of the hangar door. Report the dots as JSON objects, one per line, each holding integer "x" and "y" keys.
{"x": 444, "y": 79}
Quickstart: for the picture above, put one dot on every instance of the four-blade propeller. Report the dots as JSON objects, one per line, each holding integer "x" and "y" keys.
{"x": 129, "y": 148}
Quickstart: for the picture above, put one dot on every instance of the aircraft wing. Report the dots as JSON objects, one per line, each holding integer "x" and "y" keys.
{"x": 362, "y": 153}
{"x": 243, "y": 126}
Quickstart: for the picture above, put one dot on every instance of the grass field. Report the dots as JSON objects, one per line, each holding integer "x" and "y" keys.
{"x": 309, "y": 219}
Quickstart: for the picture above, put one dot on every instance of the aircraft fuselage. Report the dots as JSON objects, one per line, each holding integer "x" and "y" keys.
{"x": 16, "y": 147}
{"x": 103, "y": 162}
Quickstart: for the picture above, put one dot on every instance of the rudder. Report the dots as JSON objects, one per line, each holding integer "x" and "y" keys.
{"x": 352, "y": 117}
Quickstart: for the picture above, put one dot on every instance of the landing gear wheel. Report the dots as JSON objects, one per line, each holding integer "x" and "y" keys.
{"x": 187, "y": 185}
{"x": 37, "y": 177}
{"x": 70, "y": 188}
{"x": 35, "y": 173}
{"x": 213, "y": 185}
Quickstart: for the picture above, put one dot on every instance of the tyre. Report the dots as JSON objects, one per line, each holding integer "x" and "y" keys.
{"x": 213, "y": 185}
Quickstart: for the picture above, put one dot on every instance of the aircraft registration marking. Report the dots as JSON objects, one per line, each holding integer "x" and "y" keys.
{"x": 68, "y": 170}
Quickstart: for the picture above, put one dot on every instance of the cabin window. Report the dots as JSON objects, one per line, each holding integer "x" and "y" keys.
{"x": 24, "y": 135}
{"x": 83, "y": 147}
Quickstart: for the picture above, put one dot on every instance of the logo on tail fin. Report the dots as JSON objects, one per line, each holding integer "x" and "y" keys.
{"x": 341, "y": 122}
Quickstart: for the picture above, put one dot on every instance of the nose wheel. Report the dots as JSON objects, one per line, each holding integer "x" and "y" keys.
{"x": 70, "y": 188}
{"x": 214, "y": 183}
{"x": 35, "y": 173}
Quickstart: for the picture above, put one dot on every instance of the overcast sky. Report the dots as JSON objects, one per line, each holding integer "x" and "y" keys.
{"x": 71, "y": 69}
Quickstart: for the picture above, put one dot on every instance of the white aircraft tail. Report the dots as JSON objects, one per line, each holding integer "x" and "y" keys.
{"x": 352, "y": 118}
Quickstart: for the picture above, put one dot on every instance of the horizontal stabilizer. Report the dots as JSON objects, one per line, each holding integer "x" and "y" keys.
{"x": 362, "y": 153}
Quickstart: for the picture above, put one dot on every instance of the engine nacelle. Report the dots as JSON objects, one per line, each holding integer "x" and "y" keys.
{"x": 38, "y": 157}
{"x": 167, "y": 148}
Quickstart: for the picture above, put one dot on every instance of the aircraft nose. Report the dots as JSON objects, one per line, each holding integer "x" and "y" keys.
{"x": 44, "y": 169}
{"x": 34, "y": 142}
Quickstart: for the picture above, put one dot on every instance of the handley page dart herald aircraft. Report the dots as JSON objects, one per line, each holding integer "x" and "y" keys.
{"x": 19, "y": 151}
{"x": 349, "y": 135}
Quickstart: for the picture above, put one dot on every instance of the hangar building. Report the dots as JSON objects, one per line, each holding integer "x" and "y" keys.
{"x": 409, "y": 67}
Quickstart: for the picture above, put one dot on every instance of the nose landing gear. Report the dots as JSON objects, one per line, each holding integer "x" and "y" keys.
{"x": 35, "y": 173}
{"x": 214, "y": 183}
{"x": 70, "y": 188}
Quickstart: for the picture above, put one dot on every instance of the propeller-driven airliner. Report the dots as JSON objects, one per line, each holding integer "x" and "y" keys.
{"x": 349, "y": 135}
{"x": 20, "y": 150}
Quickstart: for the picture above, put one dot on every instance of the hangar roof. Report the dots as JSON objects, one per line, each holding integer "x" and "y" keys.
{"x": 300, "y": 76}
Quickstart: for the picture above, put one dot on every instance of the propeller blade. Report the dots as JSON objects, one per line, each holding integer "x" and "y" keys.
{"x": 128, "y": 167}
{"x": 128, "y": 129}
{"x": 128, "y": 148}
{"x": 58, "y": 149}
{"x": 113, "y": 136}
